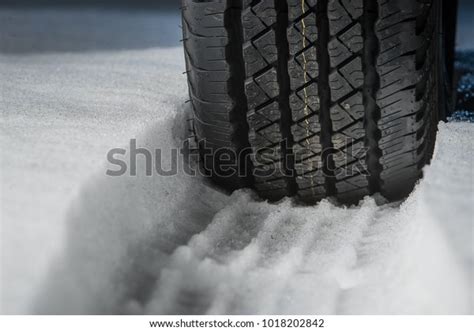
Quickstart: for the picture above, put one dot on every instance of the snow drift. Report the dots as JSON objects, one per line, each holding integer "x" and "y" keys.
{"x": 167, "y": 245}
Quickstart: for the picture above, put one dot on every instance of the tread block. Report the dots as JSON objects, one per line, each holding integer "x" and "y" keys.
{"x": 340, "y": 87}
{"x": 352, "y": 38}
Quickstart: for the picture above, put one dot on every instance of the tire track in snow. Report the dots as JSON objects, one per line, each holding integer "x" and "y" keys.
{"x": 323, "y": 259}
{"x": 294, "y": 246}
{"x": 191, "y": 250}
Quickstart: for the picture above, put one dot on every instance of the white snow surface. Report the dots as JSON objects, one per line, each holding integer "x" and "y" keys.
{"x": 76, "y": 241}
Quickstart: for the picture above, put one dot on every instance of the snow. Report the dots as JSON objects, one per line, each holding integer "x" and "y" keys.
{"x": 74, "y": 240}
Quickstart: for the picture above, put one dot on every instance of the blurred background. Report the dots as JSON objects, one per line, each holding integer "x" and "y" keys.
{"x": 466, "y": 10}
{"x": 103, "y": 3}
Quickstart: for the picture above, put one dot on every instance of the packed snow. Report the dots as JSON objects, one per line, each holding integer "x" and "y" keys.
{"x": 74, "y": 240}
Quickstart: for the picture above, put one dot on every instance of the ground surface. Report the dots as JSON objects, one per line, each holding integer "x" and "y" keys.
{"x": 74, "y": 240}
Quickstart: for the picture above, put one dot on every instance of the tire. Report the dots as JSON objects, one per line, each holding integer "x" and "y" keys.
{"x": 313, "y": 99}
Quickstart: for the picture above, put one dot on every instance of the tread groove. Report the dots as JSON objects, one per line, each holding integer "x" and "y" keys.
{"x": 283, "y": 100}
{"x": 236, "y": 88}
{"x": 371, "y": 88}
{"x": 324, "y": 92}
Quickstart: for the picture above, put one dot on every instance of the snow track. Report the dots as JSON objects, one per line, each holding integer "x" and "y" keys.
{"x": 260, "y": 258}
{"x": 187, "y": 249}
{"x": 74, "y": 240}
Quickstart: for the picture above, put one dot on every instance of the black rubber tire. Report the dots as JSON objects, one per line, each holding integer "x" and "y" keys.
{"x": 314, "y": 98}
